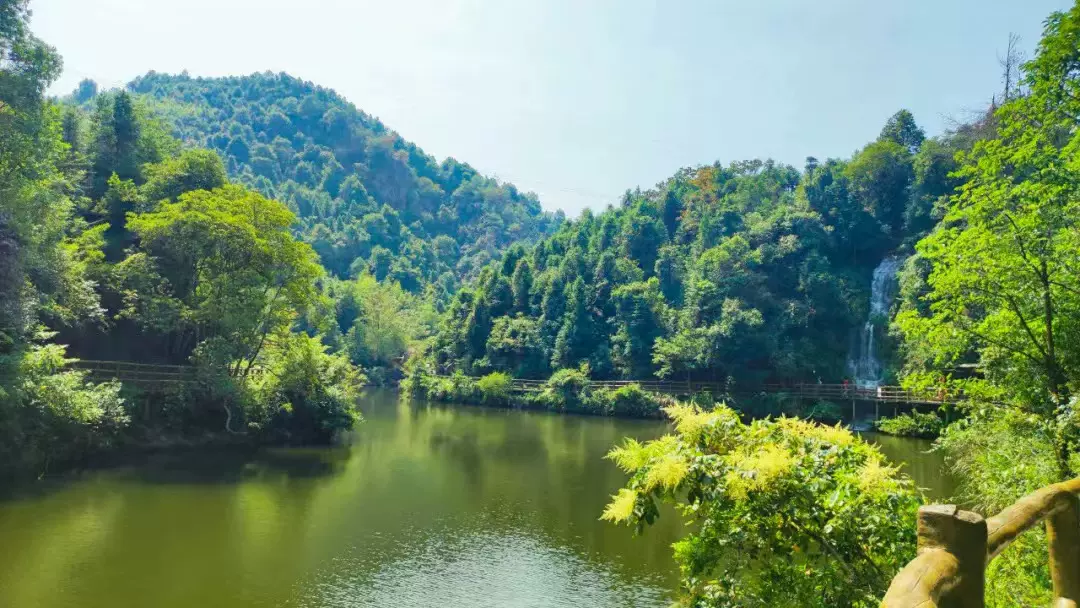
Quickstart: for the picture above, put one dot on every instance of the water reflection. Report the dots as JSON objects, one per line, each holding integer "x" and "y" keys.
{"x": 925, "y": 466}
{"x": 428, "y": 505}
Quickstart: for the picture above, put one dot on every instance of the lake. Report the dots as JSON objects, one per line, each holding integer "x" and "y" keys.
{"x": 428, "y": 505}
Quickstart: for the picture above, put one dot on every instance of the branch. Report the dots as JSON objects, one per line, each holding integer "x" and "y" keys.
{"x": 999, "y": 344}
{"x": 1020, "y": 242}
{"x": 1015, "y": 307}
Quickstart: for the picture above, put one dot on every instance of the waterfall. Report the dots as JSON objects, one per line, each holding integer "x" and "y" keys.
{"x": 863, "y": 361}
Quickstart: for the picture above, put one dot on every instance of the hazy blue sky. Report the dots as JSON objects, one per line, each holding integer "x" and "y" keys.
{"x": 579, "y": 100}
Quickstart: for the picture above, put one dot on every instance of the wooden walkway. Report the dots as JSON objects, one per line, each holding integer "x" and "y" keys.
{"x": 827, "y": 392}
{"x": 146, "y": 375}
{"x": 143, "y": 375}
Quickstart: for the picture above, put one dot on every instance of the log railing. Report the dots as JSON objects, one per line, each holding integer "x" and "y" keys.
{"x": 954, "y": 547}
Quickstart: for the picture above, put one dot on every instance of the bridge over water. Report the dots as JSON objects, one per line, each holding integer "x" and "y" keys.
{"x": 155, "y": 376}
{"x": 829, "y": 392}
{"x": 151, "y": 374}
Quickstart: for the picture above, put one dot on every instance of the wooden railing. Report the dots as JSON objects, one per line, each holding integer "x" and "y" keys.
{"x": 652, "y": 386}
{"x": 141, "y": 374}
{"x": 832, "y": 392}
{"x": 847, "y": 392}
{"x": 954, "y": 547}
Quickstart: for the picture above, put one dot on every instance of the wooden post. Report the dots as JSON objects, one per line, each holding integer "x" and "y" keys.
{"x": 963, "y": 535}
{"x": 1063, "y": 532}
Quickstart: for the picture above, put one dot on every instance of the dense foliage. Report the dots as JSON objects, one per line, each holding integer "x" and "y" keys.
{"x": 273, "y": 237}
{"x": 379, "y": 324}
{"x": 995, "y": 286}
{"x": 567, "y": 390}
{"x": 744, "y": 273}
{"x": 366, "y": 198}
{"x": 118, "y": 243}
{"x": 997, "y": 283}
{"x": 784, "y": 512}
{"x": 927, "y": 425}
{"x": 48, "y": 416}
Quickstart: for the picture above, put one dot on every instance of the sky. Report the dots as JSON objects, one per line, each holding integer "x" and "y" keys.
{"x": 580, "y": 100}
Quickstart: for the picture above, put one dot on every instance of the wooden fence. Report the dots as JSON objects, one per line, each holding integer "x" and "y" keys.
{"x": 955, "y": 547}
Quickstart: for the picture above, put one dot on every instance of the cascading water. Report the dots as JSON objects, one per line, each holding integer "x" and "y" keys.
{"x": 863, "y": 361}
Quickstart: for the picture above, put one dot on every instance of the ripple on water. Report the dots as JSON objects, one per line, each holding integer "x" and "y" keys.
{"x": 477, "y": 569}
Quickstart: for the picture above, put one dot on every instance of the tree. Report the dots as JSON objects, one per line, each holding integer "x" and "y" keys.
{"x": 901, "y": 129}
{"x": 934, "y": 178}
{"x": 575, "y": 340}
{"x": 85, "y": 91}
{"x": 191, "y": 170}
{"x": 33, "y": 209}
{"x": 1011, "y": 64}
{"x": 879, "y": 178}
{"x": 47, "y": 414}
{"x": 1004, "y": 285}
{"x": 388, "y": 322}
{"x": 305, "y": 394}
{"x": 221, "y": 270}
{"x": 515, "y": 344}
{"x": 638, "y": 320}
{"x": 780, "y": 512}
{"x": 521, "y": 283}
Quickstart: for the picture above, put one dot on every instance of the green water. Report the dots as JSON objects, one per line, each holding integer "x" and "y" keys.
{"x": 428, "y": 506}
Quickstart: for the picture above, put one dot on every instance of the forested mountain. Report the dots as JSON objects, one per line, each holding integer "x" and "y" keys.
{"x": 751, "y": 271}
{"x": 366, "y": 198}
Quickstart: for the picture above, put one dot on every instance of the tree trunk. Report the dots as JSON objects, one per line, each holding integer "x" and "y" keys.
{"x": 1064, "y": 434}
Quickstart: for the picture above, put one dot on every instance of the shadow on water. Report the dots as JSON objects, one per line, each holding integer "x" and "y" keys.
{"x": 229, "y": 466}
{"x": 219, "y": 465}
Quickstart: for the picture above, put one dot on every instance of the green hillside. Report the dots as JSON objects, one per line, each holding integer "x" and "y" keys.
{"x": 751, "y": 271}
{"x": 366, "y": 198}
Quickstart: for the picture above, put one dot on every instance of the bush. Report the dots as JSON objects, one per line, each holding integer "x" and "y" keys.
{"x": 628, "y": 400}
{"x": 783, "y": 512}
{"x": 495, "y": 388}
{"x": 52, "y": 417}
{"x": 303, "y": 394}
{"x": 567, "y": 390}
{"x": 458, "y": 388}
{"x": 916, "y": 424}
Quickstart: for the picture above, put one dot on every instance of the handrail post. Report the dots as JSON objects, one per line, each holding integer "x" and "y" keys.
{"x": 962, "y": 534}
{"x": 1063, "y": 532}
